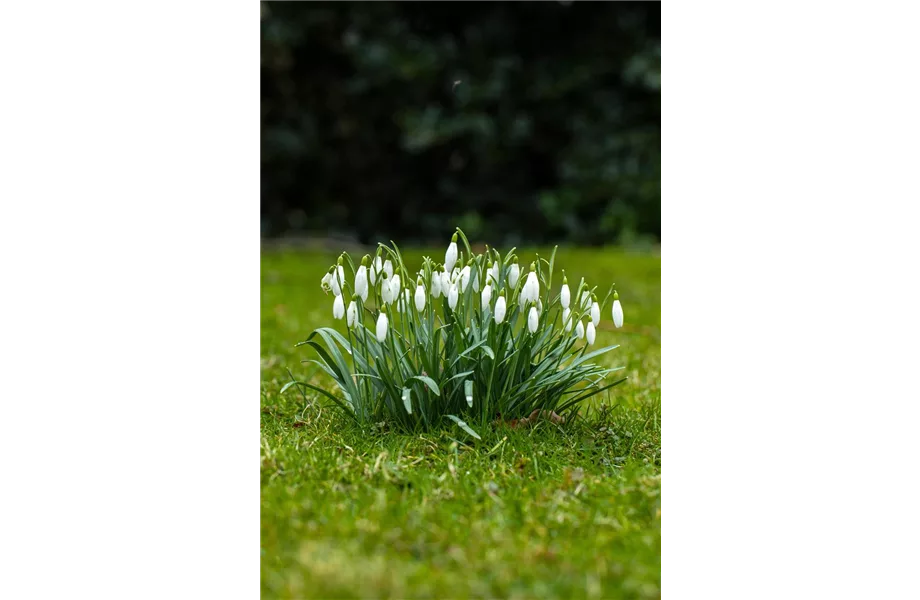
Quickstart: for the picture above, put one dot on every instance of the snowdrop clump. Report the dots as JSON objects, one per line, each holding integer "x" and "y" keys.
{"x": 477, "y": 337}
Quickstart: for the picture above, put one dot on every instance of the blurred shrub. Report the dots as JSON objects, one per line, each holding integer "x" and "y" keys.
{"x": 552, "y": 133}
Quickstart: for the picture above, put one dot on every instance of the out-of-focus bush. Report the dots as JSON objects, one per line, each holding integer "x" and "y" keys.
{"x": 551, "y": 134}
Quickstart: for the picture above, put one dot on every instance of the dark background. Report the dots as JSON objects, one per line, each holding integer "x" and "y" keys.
{"x": 553, "y": 133}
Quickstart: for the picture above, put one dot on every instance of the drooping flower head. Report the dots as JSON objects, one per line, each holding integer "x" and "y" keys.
{"x": 595, "y": 310}
{"x": 565, "y": 297}
{"x": 351, "y": 313}
{"x": 420, "y": 296}
{"x": 452, "y": 296}
{"x": 590, "y": 333}
{"x": 386, "y": 290}
{"x": 514, "y": 272}
{"x": 531, "y": 291}
{"x": 580, "y": 330}
{"x": 617, "y": 311}
{"x": 567, "y": 319}
{"x": 376, "y": 269}
{"x": 450, "y": 257}
{"x": 486, "y": 297}
{"x": 382, "y": 324}
{"x": 533, "y": 319}
{"x": 500, "y": 307}
{"x": 326, "y": 283}
{"x": 338, "y": 307}
{"x": 361, "y": 279}
{"x": 388, "y": 268}
{"x": 435, "y": 284}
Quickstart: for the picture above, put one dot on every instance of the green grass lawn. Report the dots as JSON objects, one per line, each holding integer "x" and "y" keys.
{"x": 543, "y": 512}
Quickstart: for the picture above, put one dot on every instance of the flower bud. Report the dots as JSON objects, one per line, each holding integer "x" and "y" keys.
{"x": 514, "y": 272}
{"x": 590, "y": 333}
{"x": 453, "y": 296}
{"x": 500, "y": 307}
{"x": 351, "y": 314}
{"x": 420, "y": 296}
{"x": 450, "y": 257}
{"x": 595, "y": 311}
{"x": 382, "y": 324}
{"x": 486, "y": 296}
{"x": 338, "y": 307}
{"x": 533, "y": 320}
{"x": 580, "y": 330}
{"x": 617, "y": 311}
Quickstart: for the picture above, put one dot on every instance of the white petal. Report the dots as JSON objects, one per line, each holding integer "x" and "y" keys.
{"x": 420, "y": 298}
{"x": 533, "y": 319}
{"x": 361, "y": 280}
{"x": 338, "y": 307}
{"x": 500, "y": 309}
{"x": 590, "y": 333}
{"x": 486, "y": 295}
{"x": 450, "y": 257}
{"x": 352, "y": 313}
{"x": 617, "y": 314}
{"x": 453, "y": 296}
{"x": 566, "y": 296}
{"x": 382, "y": 324}
{"x": 513, "y": 274}
{"x": 567, "y": 319}
{"x": 595, "y": 314}
{"x": 580, "y": 330}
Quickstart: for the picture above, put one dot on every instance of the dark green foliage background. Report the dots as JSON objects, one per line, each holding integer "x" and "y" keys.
{"x": 552, "y": 134}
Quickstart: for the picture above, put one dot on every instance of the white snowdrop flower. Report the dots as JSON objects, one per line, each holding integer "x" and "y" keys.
{"x": 351, "y": 315}
{"x": 326, "y": 283}
{"x": 388, "y": 268}
{"x": 580, "y": 330}
{"x": 617, "y": 311}
{"x": 590, "y": 333}
{"x": 338, "y": 307}
{"x": 453, "y": 296}
{"x": 475, "y": 278}
{"x": 396, "y": 286}
{"x": 567, "y": 319}
{"x": 566, "y": 296}
{"x": 514, "y": 272}
{"x": 494, "y": 272}
{"x": 337, "y": 280}
{"x": 361, "y": 280}
{"x": 500, "y": 307}
{"x": 404, "y": 302}
{"x": 435, "y": 284}
{"x": 450, "y": 257}
{"x": 376, "y": 269}
{"x": 595, "y": 311}
{"x": 382, "y": 324}
{"x": 531, "y": 291}
{"x": 486, "y": 296}
{"x": 533, "y": 320}
{"x": 386, "y": 290}
{"x": 445, "y": 282}
{"x": 464, "y": 278}
{"x": 420, "y": 296}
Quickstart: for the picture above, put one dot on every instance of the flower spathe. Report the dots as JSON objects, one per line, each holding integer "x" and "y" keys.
{"x": 617, "y": 311}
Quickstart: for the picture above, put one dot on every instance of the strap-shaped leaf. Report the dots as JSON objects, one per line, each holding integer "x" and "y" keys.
{"x": 406, "y": 398}
{"x": 468, "y": 390}
{"x": 462, "y": 424}
{"x": 429, "y": 382}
